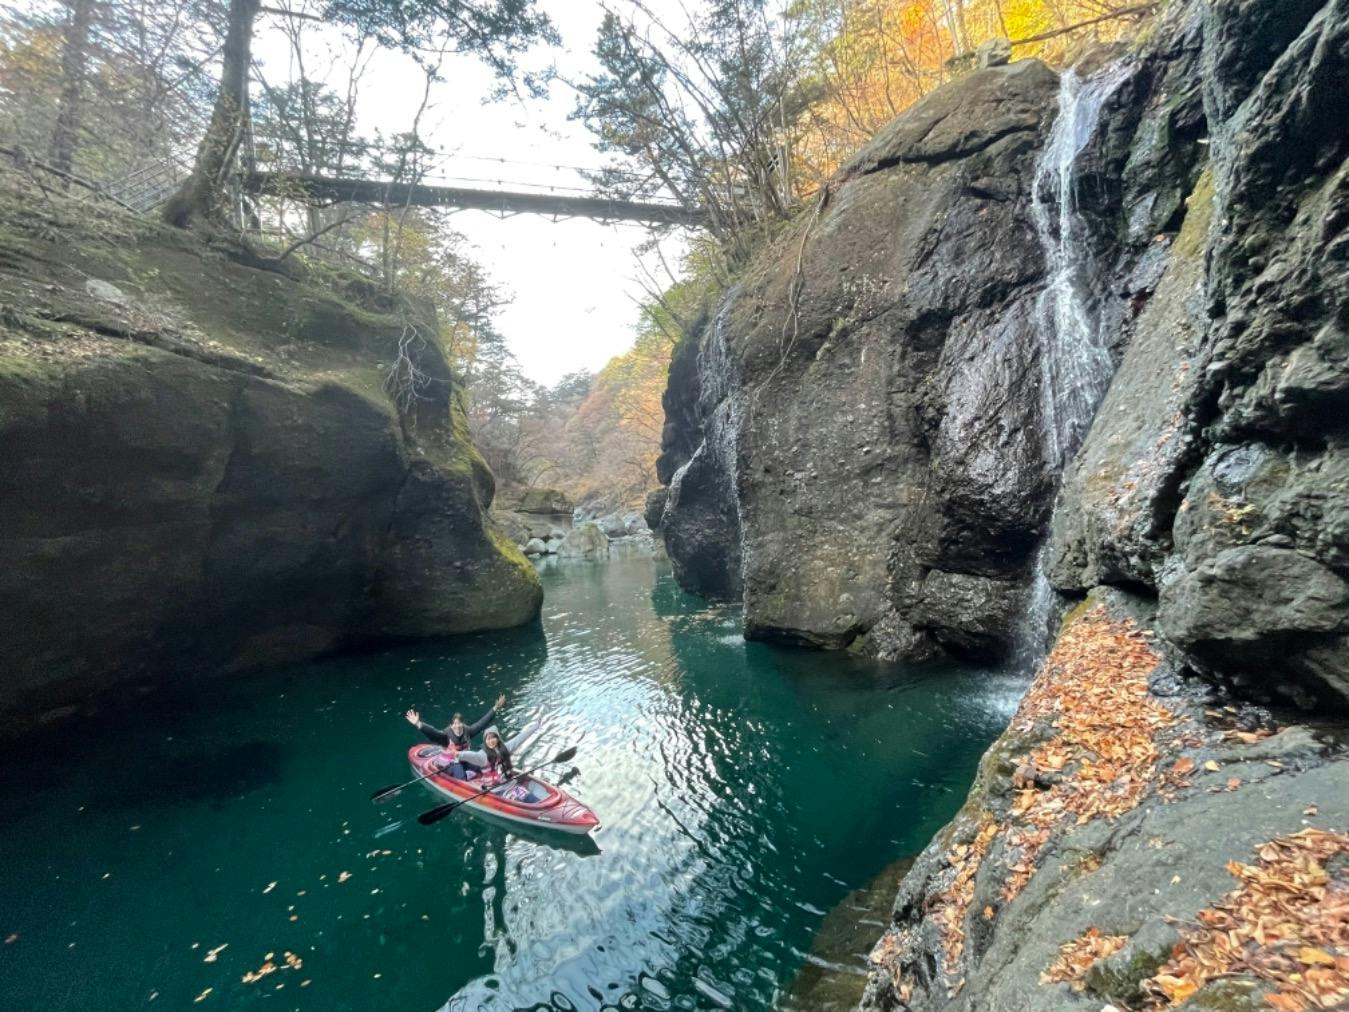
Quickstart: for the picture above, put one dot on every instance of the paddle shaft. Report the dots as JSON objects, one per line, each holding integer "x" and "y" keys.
{"x": 384, "y": 793}
{"x": 438, "y": 813}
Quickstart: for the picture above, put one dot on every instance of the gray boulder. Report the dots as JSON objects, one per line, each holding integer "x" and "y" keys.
{"x": 613, "y": 525}
{"x": 585, "y": 541}
{"x": 535, "y": 547}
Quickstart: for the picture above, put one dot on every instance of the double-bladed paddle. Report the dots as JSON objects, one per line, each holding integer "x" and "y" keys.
{"x": 393, "y": 790}
{"x": 436, "y": 814}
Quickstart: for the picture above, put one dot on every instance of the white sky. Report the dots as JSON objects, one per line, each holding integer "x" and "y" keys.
{"x": 573, "y": 281}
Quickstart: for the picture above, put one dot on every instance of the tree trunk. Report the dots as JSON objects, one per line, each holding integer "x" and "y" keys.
{"x": 74, "y": 67}
{"x": 202, "y": 196}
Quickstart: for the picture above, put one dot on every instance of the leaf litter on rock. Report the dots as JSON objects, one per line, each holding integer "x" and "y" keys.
{"x": 1286, "y": 923}
{"x": 1075, "y": 958}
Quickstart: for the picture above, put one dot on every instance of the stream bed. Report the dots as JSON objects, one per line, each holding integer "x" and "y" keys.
{"x": 157, "y": 853}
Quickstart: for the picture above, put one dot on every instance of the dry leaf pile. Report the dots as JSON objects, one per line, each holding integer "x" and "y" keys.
{"x": 1075, "y": 958}
{"x": 951, "y": 904}
{"x": 1287, "y": 923}
{"x": 1104, "y": 755}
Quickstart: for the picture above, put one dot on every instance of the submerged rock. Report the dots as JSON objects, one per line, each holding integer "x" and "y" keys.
{"x": 204, "y": 471}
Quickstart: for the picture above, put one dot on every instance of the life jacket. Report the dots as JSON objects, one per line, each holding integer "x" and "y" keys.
{"x": 458, "y": 742}
{"x": 498, "y": 759}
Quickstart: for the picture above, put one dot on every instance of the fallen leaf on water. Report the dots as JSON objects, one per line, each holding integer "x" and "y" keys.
{"x": 1182, "y": 766}
{"x": 1310, "y": 810}
{"x": 1212, "y": 766}
{"x": 202, "y": 996}
{"x": 213, "y": 954}
{"x": 344, "y": 876}
{"x": 13, "y": 937}
{"x": 270, "y": 887}
{"x": 1233, "y": 783}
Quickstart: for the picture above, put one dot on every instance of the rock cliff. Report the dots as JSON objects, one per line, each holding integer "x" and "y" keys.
{"x": 897, "y": 450}
{"x": 204, "y": 469}
{"x": 866, "y": 442}
{"x": 852, "y": 442}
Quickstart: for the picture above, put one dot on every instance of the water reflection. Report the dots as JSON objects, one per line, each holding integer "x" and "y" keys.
{"x": 744, "y": 791}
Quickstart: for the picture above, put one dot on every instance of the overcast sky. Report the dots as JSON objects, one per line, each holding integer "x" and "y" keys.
{"x": 573, "y": 281}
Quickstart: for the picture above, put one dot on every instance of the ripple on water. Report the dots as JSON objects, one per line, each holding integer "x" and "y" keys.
{"x": 744, "y": 792}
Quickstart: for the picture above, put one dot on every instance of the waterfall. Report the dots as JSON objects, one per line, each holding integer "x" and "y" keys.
{"x": 1075, "y": 363}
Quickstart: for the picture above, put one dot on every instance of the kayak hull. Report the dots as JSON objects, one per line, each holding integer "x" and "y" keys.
{"x": 545, "y": 807}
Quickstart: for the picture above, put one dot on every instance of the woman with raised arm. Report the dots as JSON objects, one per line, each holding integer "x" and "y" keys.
{"x": 457, "y": 737}
{"x": 494, "y": 758}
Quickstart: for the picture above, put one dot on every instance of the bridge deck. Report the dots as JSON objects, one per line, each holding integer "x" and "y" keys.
{"x": 375, "y": 191}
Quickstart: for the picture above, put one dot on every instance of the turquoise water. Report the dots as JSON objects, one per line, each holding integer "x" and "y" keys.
{"x": 744, "y": 791}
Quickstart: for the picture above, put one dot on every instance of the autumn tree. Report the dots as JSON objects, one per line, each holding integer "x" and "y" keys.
{"x": 497, "y": 31}
{"x": 97, "y": 89}
{"x": 695, "y": 111}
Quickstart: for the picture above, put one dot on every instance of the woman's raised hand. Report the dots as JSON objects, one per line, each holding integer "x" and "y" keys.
{"x": 501, "y": 701}
{"x": 413, "y": 717}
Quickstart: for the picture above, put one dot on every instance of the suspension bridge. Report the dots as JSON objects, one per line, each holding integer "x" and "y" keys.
{"x": 149, "y": 187}
{"x": 556, "y": 202}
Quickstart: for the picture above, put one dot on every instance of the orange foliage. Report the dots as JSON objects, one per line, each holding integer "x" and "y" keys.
{"x": 1287, "y": 923}
{"x": 953, "y": 901}
{"x": 1104, "y": 755}
{"x": 881, "y": 56}
{"x": 1075, "y": 958}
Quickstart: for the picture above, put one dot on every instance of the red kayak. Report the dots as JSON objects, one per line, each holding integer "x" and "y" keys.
{"x": 524, "y": 800}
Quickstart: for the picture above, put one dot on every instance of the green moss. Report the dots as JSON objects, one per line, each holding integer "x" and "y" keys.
{"x": 1074, "y": 613}
{"x": 1193, "y": 235}
{"x": 511, "y": 554}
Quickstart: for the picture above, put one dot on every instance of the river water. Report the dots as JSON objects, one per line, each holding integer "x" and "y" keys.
{"x": 745, "y": 791}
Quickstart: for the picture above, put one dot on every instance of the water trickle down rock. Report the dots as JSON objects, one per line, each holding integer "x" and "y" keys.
{"x": 879, "y": 453}
{"x": 1075, "y": 360}
{"x": 701, "y": 521}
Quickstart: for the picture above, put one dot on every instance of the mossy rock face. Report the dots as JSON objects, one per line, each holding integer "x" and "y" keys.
{"x": 204, "y": 470}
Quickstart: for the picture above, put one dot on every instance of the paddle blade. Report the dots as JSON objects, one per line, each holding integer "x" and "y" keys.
{"x": 434, "y": 815}
{"x": 385, "y": 793}
{"x": 566, "y": 755}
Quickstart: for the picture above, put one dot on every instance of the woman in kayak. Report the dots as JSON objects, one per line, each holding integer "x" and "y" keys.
{"x": 457, "y": 737}
{"x": 494, "y": 758}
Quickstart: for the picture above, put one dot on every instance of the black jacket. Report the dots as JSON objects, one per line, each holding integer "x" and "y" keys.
{"x": 448, "y": 739}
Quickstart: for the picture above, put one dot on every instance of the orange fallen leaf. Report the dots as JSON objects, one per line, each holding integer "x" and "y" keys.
{"x": 1315, "y": 957}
